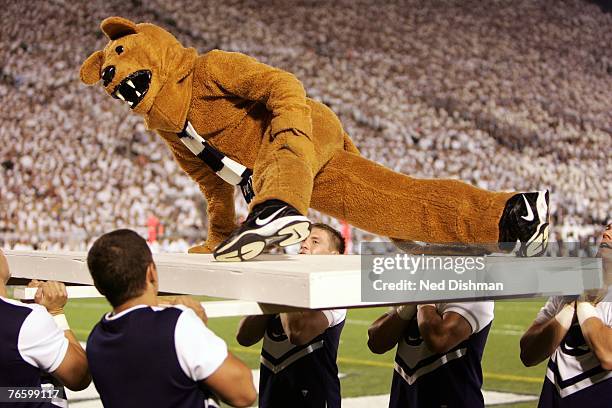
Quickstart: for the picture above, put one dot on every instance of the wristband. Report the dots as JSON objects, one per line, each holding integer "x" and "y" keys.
{"x": 61, "y": 322}
{"x": 585, "y": 311}
{"x": 405, "y": 312}
{"x": 565, "y": 316}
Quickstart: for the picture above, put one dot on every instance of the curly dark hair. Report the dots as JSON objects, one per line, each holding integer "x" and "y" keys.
{"x": 118, "y": 263}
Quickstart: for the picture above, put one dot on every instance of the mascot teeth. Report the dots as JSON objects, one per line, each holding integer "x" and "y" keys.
{"x": 133, "y": 88}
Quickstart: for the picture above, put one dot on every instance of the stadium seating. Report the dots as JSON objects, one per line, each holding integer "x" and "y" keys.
{"x": 513, "y": 96}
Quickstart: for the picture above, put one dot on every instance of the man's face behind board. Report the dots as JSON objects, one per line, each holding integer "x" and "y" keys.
{"x": 605, "y": 250}
{"x": 317, "y": 243}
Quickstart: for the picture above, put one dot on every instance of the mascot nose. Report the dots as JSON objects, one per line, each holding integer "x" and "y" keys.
{"x": 108, "y": 74}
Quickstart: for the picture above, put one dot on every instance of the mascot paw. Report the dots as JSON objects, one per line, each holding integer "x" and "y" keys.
{"x": 203, "y": 248}
{"x": 208, "y": 246}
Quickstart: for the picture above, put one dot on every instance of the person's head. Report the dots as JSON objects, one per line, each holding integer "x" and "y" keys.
{"x": 607, "y": 235}
{"x": 121, "y": 265}
{"x": 605, "y": 248}
{"x": 5, "y": 274}
{"x": 323, "y": 240}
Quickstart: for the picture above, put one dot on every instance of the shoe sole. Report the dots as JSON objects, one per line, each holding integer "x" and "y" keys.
{"x": 537, "y": 244}
{"x": 250, "y": 244}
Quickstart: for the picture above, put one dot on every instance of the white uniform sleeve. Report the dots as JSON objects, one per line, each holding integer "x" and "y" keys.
{"x": 477, "y": 314}
{"x": 41, "y": 343}
{"x": 335, "y": 316}
{"x": 549, "y": 310}
{"x": 200, "y": 351}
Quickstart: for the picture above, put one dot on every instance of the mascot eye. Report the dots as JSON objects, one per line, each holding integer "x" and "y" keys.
{"x": 119, "y": 49}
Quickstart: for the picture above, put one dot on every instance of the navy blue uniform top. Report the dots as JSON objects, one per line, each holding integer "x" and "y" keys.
{"x": 31, "y": 344}
{"x": 574, "y": 375}
{"x": 453, "y": 379}
{"x": 153, "y": 357}
{"x": 301, "y": 376}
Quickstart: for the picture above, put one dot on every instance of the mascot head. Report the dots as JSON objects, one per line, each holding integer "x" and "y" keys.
{"x": 140, "y": 63}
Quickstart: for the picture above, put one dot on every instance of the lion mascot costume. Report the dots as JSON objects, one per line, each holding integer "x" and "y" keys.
{"x": 230, "y": 121}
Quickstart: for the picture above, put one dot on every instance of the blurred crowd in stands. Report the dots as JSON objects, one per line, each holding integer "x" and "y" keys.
{"x": 507, "y": 95}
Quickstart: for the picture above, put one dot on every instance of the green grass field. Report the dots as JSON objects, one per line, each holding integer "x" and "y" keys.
{"x": 369, "y": 374}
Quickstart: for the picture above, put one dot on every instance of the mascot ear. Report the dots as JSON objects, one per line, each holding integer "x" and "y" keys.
{"x": 90, "y": 70}
{"x": 117, "y": 27}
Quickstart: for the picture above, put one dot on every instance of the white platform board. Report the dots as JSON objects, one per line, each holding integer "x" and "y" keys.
{"x": 303, "y": 281}
{"x": 298, "y": 281}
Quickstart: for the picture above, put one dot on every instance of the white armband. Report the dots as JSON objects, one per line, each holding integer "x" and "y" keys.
{"x": 585, "y": 311}
{"x": 61, "y": 322}
{"x": 565, "y": 316}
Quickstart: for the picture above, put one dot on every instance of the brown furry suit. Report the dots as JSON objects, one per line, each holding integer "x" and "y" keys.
{"x": 260, "y": 116}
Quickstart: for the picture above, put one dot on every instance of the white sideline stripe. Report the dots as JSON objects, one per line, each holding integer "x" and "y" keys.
{"x": 512, "y": 327}
{"x": 502, "y": 398}
{"x": 507, "y": 332}
{"x": 89, "y": 397}
{"x": 491, "y": 398}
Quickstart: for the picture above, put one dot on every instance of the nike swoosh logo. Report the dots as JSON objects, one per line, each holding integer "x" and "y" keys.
{"x": 529, "y": 216}
{"x": 264, "y": 221}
